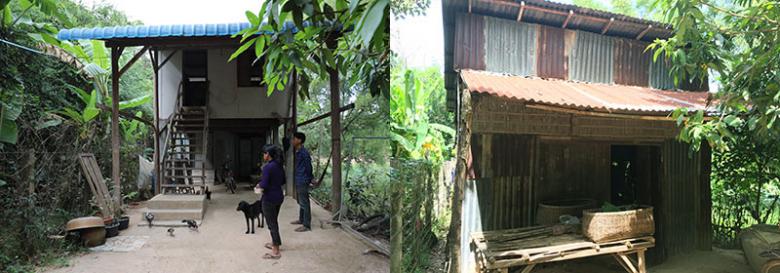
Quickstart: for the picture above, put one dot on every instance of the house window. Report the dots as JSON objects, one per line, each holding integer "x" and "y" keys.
{"x": 250, "y": 73}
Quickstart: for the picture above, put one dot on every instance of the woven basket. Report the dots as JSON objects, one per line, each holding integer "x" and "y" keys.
{"x": 613, "y": 226}
{"x": 549, "y": 212}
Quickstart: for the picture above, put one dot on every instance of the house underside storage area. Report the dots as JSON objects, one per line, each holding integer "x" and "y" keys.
{"x": 524, "y": 157}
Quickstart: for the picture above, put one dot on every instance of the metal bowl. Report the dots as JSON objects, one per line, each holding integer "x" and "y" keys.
{"x": 84, "y": 222}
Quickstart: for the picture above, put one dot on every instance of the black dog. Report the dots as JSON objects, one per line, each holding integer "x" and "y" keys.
{"x": 251, "y": 212}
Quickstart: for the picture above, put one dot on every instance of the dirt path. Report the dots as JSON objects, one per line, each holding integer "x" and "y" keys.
{"x": 222, "y": 246}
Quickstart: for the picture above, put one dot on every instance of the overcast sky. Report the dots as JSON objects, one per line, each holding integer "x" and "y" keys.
{"x": 158, "y": 12}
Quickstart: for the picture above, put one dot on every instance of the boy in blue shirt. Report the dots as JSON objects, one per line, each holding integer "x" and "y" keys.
{"x": 303, "y": 177}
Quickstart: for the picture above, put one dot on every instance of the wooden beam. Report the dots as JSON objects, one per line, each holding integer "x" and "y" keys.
{"x": 132, "y": 61}
{"x": 598, "y": 114}
{"x": 642, "y": 34}
{"x": 325, "y": 115}
{"x": 606, "y": 27}
{"x": 562, "y": 13}
{"x": 116, "y": 52}
{"x": 568, "y": 18}
{"x": 175, "y": 42}
{"x": 167, "y": 58}
{"x": 520, "y": 13}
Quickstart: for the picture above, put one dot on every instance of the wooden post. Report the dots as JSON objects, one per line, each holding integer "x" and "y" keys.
{"x": 463, "y": 158}
{"x": 396, "y": 224}
{"x": 335, "y": 133}
{"x": 293, "y": 128}
{"x": 115, "y": 53}
{"x": 155, "y": 57}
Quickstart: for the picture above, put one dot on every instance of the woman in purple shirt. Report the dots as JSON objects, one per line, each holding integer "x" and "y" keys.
{"x": 271, "y": 183}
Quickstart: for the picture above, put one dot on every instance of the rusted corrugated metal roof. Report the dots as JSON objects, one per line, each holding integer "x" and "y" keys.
{"x": 583, "y": 96}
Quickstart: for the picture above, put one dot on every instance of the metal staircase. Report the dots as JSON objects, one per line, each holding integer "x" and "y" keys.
{"x": 184, "y": 161}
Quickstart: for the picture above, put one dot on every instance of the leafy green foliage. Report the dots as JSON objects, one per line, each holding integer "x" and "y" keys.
{"x": 745, "y": 185}
{"x": 737, "y": 44}
{"x": 414, "y": 136}
{"x": 42, "y": 185}
{"x": 421, "y": 142}
{"x": 403, "y": 8}
{"x": 350, "y": 37}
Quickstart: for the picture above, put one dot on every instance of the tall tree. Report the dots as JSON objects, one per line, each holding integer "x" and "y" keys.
{"x": 739, "y": 44}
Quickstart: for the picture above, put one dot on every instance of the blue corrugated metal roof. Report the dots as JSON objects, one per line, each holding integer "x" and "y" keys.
{"x": 186, "y": 30}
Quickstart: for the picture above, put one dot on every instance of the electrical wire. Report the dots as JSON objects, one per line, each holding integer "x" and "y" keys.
{"x": 23, "y": 47}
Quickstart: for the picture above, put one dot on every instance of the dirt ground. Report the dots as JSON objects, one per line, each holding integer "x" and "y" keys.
{"x": 716, "y": 261}
{"x": 221, "y": 246}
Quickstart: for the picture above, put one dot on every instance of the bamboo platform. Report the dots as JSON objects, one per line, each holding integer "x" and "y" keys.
{"x": 498, "y": 251}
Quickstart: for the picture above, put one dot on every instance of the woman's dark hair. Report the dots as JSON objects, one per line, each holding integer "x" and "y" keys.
{"x": 274, "y": 152}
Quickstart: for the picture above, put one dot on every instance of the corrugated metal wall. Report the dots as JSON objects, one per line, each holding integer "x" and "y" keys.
{"x": 591, "y": 58}
{"x": 510, "y": 46}
{"x": 659, "y": 75}
{"x": 681, "y": 211}
{"x": 631, "y": 63}
{"x": 471, "y": 221}
{"x": 551, "y": 59}
{"x": 502, "y": 163}
{"x": 469, "y": 49}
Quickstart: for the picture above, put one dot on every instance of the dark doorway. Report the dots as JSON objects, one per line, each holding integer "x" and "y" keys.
{"x": 195, "y": 77}
{"x": 635, "y": 173}
{"x": 249, "y": 152}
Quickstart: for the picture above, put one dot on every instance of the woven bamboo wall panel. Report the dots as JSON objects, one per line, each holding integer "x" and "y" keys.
{"x": 496, "y": 115}
{"x": 585, "y": 126}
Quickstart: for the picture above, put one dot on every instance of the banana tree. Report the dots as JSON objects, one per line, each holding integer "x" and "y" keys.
{"x": 94, "y": 57}
{"x": 414, "y": 136}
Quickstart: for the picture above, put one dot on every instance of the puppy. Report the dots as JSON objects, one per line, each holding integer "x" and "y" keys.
{"x": 252, "y": 211}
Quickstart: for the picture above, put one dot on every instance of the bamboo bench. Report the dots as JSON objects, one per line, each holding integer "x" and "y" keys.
{"x": 498, "y": 251}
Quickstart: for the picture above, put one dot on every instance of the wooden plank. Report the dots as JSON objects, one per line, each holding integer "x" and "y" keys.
{"x": 97, "y": 183}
